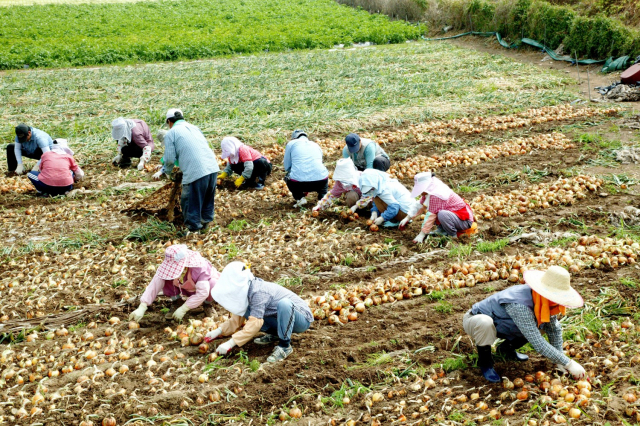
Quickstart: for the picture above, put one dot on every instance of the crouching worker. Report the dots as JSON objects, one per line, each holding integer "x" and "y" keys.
{"x": 183, "y": 272}
{"x": 58, "y": 171}
{"x": 392, "y": 202}
{"x": 264, "y": 305}
{"x": 134, "y": 141}
{"x": 444, "y": 208}
{"x": 245, "y": 161}
{"x": 345, "y": 184}
{"x": 518, "y": 314}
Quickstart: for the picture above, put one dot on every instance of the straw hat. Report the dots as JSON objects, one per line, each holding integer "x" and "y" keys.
{"x": 176, "y": 258}
{"x": 554, "y": 284}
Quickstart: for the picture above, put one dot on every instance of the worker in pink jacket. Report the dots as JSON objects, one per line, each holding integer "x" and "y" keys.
{"x": 245, "y": 161}
{"x": 183, "y": 272}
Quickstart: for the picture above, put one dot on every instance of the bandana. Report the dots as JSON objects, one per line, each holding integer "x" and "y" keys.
{"x": 543, "y": 310}
{"x": 230, "y": 147}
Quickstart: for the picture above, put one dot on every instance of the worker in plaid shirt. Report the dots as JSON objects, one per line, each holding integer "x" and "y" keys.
{"x": 260, "y": 306}
{"x": 443, "y": 207}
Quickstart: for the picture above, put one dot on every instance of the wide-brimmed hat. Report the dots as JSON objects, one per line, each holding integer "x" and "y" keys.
{"x": 554, "y": 284}
{"x": 420, "y": 183}
{"x": 176, "y": 258}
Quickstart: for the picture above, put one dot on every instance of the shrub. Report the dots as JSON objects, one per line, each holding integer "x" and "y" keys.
{"x": 549, "y": 24}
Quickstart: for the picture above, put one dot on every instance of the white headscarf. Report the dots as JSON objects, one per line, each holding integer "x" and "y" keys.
{"x": 230, "y": 147}
{"x": 373, "y": 180}
{"x": 121, "y": 128}
{"x": 232, "y": 289}
{"x": 346, "y": 172}
{"x": 61, "y": 147}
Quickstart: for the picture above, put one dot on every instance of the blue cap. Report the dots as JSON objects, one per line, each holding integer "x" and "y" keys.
{"x": 353, "y": 142}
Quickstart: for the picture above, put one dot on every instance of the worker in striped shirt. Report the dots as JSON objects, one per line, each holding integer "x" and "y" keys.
{"x": 444, "y": 208}
{"x": 186, "y": 144}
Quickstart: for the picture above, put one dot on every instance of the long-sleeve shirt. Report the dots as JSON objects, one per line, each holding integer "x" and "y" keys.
{"x": 303, "y": 161}
{"x": 39, "y": 139}
{"x": 337, "y": 191}
{"x": 436, "y": 205}
{"x": 199, "y": 282}
{"x": 56, "y": 168}
{"x": 397, "y": 198}
{"x": 141, "y": 135}
{"x": 186, "y": 143}
{"x": 525, "y": 320}
{"x": 247, "y": 156}
{"x": 263, "y": 299}
{"x": 363, "y": 159}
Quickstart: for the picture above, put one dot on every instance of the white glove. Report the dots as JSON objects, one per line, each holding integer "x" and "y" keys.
{"x": 576, "y": 370}
{"x": 316, "y": 208}
{"x": 419, "y": 238}
{"x": 141, "y": 165}
{"x": 379, "y": 221}
{"x": 404, "y": 222}
{"x": 116, "y": 159}
{"x": 374, "y": 216}
{"x": 19, "y": 169}
{"x": 354, "y": 208}
{"x": 224, "y": 348}
{"x": 179, "y": 313}
{"x": 158, "y": 175}
{"x": 213, "y": 335}
{"x": 138, "y": 313}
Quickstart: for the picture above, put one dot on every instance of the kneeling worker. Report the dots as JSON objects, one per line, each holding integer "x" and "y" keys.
{"x": 518, "y": 314}
{"x": 266, "y": 306}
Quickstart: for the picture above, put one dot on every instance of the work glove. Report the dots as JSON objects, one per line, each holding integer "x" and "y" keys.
{"x": 138, "y": 313}
{"x": 239, "y": 181}
{"x": 404, "y": 222}
{"x": 576, "y": 370}
{"x": 213, "y": 335}
{"x": 179, "y": 313}
{"x": 353, "y": 208}
{"x": 20, "y": 169}
{"x": 379, "y": 221}
{"x": 224, "y": 348}
{"x": 116, "y": 159}
{"x": 158, "y": 175}
{"x": 419, "y": 238}
{"x": 374, "y": 216}
{"x": 141, "y": 165}
{"x": 222, "y": 175}
{"x": 562, "y": 369}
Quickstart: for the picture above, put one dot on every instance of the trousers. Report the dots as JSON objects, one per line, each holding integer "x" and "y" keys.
{"x": 480, "y": 328}
{"x": 382, "y": 206}
{"x": 197, "y": 201}
{"x": 12, "y": 162}
{"x": 451, "y": 223}
{"x": 287, "y": 321}
{"x": 300, "y": 189}
{"x": 47, "y": 189}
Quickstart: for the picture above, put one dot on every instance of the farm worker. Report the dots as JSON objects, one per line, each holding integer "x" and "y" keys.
{"x": 31, "y": 143}
{"x": 392, "y": 202}
{"x": 264, "y": 305}
{"x": 160, "y": 137}
{"x": 186, "y": 144}
{"x": 304, "y": 170}
{"x": 518, "y": 315}
{"x": 346, "y": 178}
{"x": 58, "y": 171}
{"x": 183, "y": 272}
{"x": 245, "y": 161}
{"x": 365, "y": 153}
{"x": 443, "y": 207}
{"x": 134, "y": 140}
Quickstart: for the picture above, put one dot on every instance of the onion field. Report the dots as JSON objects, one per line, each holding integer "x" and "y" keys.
{"x": 387, "y": 346}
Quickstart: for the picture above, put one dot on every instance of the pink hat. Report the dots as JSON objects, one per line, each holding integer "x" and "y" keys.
{"x": 176, "y": 258}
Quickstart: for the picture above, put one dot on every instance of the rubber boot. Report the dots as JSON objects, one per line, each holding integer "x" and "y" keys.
{"x": 485, "y": 362}
{"x": 507, "y": 349}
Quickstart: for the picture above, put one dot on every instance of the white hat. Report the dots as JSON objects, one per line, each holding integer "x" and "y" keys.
{"x": 346, "y": 172}
{"x": 231, "y": 290}
{"x": 173, "y": 112}
{"x": 61, "y": 145}
{"x": 420, "y": 183}
{"x": 554, "y": 285}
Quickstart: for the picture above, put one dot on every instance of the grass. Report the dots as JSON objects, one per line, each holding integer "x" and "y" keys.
{"x": 318, "y": 90}
{"x": 456, "y": 363}
{"x": 289, "y": 281}
{"x": 491, "y": 246}
{"x": 153, "y": 229}
{"x": 238, "y": 225}
{"x": 93, "y": 34}
{"x": 460, "y": 250}
{"x": 630, "y": 282}
{"x": 443, "y": 307}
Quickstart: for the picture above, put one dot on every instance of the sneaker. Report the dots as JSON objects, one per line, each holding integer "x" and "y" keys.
{"x": 266, "y": 339}
{"x": 259, "y": 186}
{"x": 469, "y": 232}
{"x": 490, "y": 374}
{"x": 279, "y": 353}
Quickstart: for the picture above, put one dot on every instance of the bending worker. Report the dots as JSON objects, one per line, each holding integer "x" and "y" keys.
{"x": 392, "y": 202}
{"x": 31, "y": 143}
{"x": 183, "y": 272}
{"x": 365, "y": 153}
{"x": 518, "y": 314}
{"x": 58, "y": 171}
{"x": 345, "y": 179}
{"x": 245, "y": 161}
{"x": 266, "y": 306}
{"x": 134, "y": 141}
{"x": 444, "y": 208}
{"x": 304, "y": 170}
